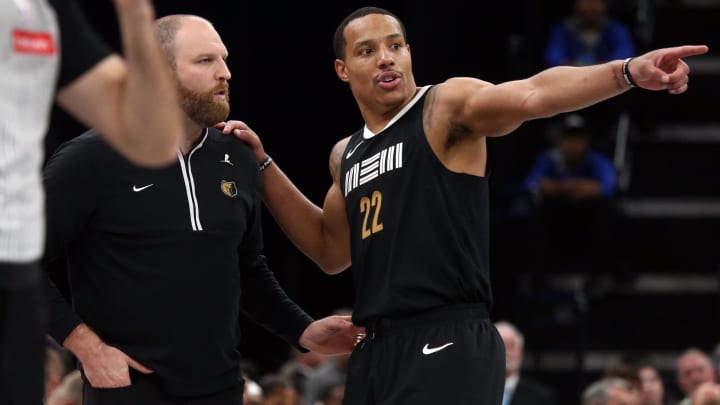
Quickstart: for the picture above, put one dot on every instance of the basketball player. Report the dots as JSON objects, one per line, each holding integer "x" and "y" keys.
{"x": 408, "y": 206}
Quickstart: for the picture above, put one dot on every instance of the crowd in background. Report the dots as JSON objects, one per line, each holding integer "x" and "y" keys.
{"x": 308, "y": 378}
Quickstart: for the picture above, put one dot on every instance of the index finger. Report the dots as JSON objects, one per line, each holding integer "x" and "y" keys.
{"x": 685, "y": 51}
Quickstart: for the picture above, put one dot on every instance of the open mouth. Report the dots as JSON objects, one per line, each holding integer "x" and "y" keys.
{"x": 388, "y": 78}
{"x": 221, "y": 94}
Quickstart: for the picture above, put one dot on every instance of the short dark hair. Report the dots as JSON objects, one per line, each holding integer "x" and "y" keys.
{"x": 339, "y": 38}
{"x": 573, "y": 126}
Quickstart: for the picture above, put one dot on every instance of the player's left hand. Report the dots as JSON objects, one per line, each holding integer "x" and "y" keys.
{"x": 664, "y": 69}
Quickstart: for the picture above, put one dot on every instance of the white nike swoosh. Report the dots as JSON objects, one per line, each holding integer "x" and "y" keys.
{"x": 136, "y": 188}
{"x": 353, "y": 150}
{"x": 427, "y": 350}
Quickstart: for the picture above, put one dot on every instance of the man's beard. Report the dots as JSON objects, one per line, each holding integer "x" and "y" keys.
{"x": 203, "y": 108}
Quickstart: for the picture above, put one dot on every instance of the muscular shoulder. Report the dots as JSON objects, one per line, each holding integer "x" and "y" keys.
{"x": 450, "y": 107}
{"x": 339, "y": 148}
{"x": 471, "y": 108}
{"x": 336, "y": 155}
{"x": 457, "y": 91}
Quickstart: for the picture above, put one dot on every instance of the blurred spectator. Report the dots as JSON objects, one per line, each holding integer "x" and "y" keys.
{"x": 520, "y": 389}
{"x": 645, "y": 378}
{"x": 252, "y": 394}
{"x": 588, "y": 36}
{"x": 333, "y": 395}
{"x": 627, "y": 370}
{"x": 706, "y": 394}
{"x": 55, "y": 368}
{"x": 278, "y": 390}
{"x": 300, "y": 366}
{"x": 573, "y": 186}
{"x": 249, "y": 369}
{"x": 331, "y": 372}
{"x": 694, "y": 367}
{"x": 69, "y": 392}
{"x": 716, "y": 361}
{"x": 652, "y": 387}
{"x": 610, "y": 391}
{"x": 572, "y": 171}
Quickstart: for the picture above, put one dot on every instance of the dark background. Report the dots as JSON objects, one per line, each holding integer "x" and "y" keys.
{"x": 284, "y": 86}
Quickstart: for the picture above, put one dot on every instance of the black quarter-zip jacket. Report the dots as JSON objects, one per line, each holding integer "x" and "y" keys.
{"x": 161, "y": 261}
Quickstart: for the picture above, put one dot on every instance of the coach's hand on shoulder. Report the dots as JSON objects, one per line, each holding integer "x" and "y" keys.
{"x": 243, "y": 132}
{"x": 103, "y": 365}
{"x": 335, "y": 334}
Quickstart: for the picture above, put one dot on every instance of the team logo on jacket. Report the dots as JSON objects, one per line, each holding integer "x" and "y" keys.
{"x": 228, "y": 188}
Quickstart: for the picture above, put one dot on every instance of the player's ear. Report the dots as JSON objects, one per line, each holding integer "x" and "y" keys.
{"x": 341, "y": 70}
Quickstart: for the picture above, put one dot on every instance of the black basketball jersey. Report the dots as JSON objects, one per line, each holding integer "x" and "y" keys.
{"x": 419, "y": 232}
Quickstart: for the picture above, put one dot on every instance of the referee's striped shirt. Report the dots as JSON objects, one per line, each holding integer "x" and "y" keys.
{"x": 29, "y": 51}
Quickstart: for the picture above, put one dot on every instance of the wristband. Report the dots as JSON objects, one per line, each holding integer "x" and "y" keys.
{"x": 626, "y": 73}
{"x": 262, "y": 166}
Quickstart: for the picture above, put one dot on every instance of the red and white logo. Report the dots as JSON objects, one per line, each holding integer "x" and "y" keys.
{"x": 33, "y": 42}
